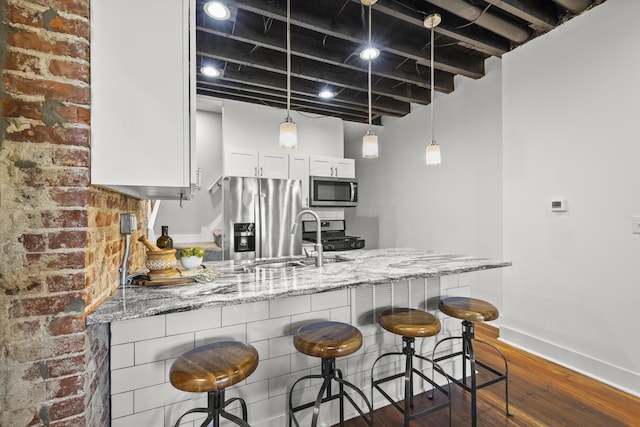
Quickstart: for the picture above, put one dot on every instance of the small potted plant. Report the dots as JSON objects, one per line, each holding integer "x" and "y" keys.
{"x": 191, "y": 257}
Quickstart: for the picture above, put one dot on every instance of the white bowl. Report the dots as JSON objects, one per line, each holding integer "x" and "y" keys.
{"x": 191, "y": 262}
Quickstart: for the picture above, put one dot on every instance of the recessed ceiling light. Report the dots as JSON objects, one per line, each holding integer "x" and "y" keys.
{"x": 369, "y": 53}
{"x": 326, "y": 94}
{"x": 217, "y": 10}
{"x": 210, "y": 71}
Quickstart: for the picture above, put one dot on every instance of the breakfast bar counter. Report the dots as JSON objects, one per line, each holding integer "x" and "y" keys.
{"x": 239, "y": 282}
{"x": 263, "y": 303}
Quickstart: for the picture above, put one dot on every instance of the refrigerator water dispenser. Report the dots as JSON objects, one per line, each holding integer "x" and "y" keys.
{"x": 244, "y": 237}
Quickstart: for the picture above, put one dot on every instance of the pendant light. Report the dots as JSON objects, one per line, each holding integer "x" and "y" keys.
{"x": 370, "y": 140}
{"x": 288, "y": 129}
{"x": 433, "y": 150}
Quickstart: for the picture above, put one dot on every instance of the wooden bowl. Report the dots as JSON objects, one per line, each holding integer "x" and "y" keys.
{"x": 161, "y": 263}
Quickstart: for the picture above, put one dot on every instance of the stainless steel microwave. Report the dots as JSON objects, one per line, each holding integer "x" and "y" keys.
{"x": 325, "y": 191}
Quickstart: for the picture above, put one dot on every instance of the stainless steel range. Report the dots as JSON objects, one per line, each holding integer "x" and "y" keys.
{"x": 333, "y": 235}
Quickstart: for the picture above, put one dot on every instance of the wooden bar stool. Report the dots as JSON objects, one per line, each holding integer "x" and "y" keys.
{"x": 472, "y": 310}
{"x": 327, "y": 340}
{"x": 211, "y": 368}
{"x": 410, "y": 324}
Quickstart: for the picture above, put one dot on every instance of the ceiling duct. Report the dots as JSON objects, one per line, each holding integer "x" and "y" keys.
{"x": 485, "y": 19}
{"x": 575, "y": 6}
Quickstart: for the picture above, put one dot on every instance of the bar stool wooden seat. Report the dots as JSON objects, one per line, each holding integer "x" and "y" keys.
{"x": 471, "y": 310}
{"x": 212, "y": 368}
{"x": 328, "y": 340}
{"x": 410, "y": 324}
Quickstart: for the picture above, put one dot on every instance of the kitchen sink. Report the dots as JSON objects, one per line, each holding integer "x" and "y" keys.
{"x": 280, "y": 264}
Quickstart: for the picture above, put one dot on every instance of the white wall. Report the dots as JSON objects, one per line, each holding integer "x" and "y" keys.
{"x": 255, "y": 126}
{"x": 570, "y": 111}
{"x": 453, "y": 207}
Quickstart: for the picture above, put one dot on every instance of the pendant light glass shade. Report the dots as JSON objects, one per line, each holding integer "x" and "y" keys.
{"x": 433, "y": 150}
{"x": 288, "y": 134}
{"x": 288, "y": 129}
{"x": 433, "y": 154}
{"x": 370, "y": 145}
{"x": 370, "y": 140}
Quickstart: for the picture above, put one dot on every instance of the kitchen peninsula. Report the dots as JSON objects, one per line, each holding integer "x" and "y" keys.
{"x": 151, "y": 326}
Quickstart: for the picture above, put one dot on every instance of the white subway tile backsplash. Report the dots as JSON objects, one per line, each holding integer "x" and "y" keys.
{"x": 143, "y": 350}
{"x": 300, "y": 320}
{"x": 341, "y": 314}
{"x": 163, "y": 348}
{"x": 328, "y": 300}
{"x": 137, "y": 329}
{"x": 449, "y": 281}
{"x": 268, "y": 413}
{"x": 282, "y": 384}
{"x": 460, "y": 291}
{"x": 266, "y": 329}
{"x": 122, "y": 404}
{"x": 189, "y": 321}
{"x": 122, "y": 356}
{"x": 243, "y": 313}
{"x": 146, "y": 375}
{"x": 157, "y": 396}
{"x": 280, "y": 346}
{"x": 154, "y": 417}
{"x": 229, "y": 333}
{"x": 275, "y": 366}
{"x": 301, "y": 361}
{"x": 262, "y": 347}
{"x": 251, "y": 392}
{"x": 289, "y": 306}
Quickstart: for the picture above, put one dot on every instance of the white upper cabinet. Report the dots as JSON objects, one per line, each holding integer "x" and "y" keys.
{"x": 332, "y": 166}
{"x": 273, "y": 164}
{"x": 299, "y": 169}
{"x": 143, "y": 97}
{"x": 240, "y": 161}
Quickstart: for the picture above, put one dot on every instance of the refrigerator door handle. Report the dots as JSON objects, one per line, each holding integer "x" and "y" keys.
{"x": 258, "y": 223}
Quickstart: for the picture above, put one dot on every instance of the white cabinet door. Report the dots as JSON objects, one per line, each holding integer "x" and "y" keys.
{"x": 273, "y": 164}
{"x": 321, "y": 165}
{"x": 249, "y": 162}
{"x": 332, "y": 166}
{"x": 240, "y": 162}
{"x": 142, "y": 88}
{"x": 299, "y": 169}
{"x": 345, "y": 168}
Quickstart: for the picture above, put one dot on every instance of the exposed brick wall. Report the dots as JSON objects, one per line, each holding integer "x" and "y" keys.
{"x": 60, "y": 244}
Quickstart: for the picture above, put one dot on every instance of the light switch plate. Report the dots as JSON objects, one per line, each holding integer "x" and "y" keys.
{"x": 635, "y": 224}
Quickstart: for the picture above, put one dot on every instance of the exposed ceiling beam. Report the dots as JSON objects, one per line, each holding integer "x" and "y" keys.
{"x": 542, "y": 16}
{"x": 212, "y": 46}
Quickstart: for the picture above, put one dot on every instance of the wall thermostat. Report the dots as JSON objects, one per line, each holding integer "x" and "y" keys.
{"x": 558, "y": 205}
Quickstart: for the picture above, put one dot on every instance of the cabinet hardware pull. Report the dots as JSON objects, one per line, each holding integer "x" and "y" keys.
{"x": 198, "y": 178}
{"x": 261, "y": 171}
{"x": 255, "y": 171}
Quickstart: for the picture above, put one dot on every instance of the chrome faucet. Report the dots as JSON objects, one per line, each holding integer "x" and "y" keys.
{"x": 318, "y": 244}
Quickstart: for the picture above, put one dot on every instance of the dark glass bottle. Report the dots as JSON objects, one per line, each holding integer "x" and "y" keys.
{"x": 165, "y": 241}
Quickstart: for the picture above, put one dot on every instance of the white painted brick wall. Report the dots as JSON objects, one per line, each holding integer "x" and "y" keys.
{"x": 142, "y": 351}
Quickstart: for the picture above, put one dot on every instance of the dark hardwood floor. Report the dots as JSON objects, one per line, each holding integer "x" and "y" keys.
{"x": 541, "y": 393}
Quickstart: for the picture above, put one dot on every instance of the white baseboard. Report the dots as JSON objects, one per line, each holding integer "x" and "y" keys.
{"x": 614, "y": 376}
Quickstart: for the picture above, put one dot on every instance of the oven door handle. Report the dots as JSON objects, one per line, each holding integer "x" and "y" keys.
{"x": 353, "y": 191}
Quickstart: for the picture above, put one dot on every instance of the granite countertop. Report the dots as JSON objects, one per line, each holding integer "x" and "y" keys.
{"x": 235, "y": 285}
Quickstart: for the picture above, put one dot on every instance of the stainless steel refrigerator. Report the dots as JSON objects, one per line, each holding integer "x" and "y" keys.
{"x": 258, "y": 214}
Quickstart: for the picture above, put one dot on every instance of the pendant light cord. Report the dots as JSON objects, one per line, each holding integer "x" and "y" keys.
{"x": 370, "y": 68}
{"x": 288, "y": 60}
{"x": 432, "y": 103}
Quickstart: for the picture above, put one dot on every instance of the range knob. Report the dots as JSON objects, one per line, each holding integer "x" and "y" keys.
{"x": 328, "y": 247}
{"x": 354, "y": 245}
